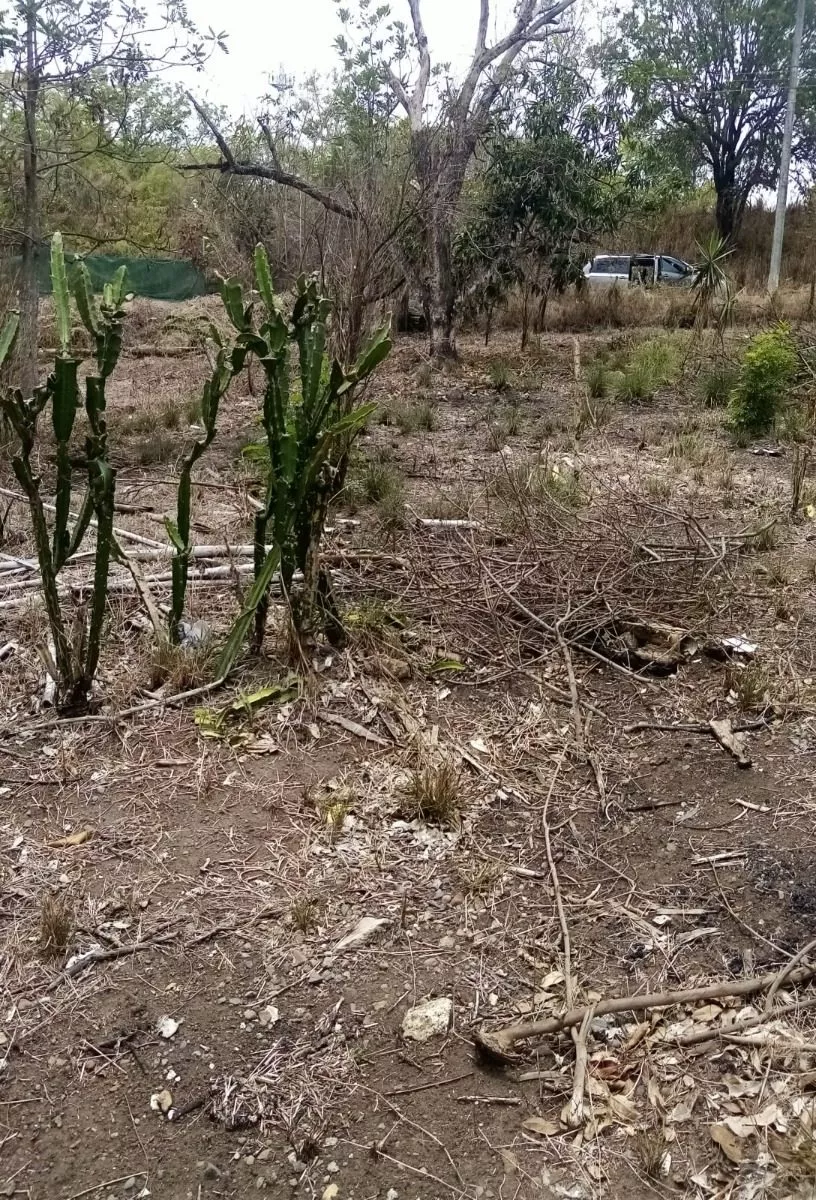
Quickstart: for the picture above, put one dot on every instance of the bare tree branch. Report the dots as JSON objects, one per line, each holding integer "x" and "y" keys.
{"x": 230, "y": 165}
{"x": 421, "y": 87}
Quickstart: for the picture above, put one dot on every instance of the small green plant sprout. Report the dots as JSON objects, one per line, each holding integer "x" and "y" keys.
{"x": 76, "y": 645}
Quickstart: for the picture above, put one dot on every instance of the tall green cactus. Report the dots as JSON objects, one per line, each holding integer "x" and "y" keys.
{"x": 76, "y": 654}
{"x": 229, "y": 361}
{"x": 308, "y": 430}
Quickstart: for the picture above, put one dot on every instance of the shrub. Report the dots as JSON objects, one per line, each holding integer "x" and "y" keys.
{"x": 766, "y": 371}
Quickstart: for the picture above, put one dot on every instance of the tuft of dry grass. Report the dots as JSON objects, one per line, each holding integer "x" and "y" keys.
{"x": 652, "y": 1149}
{"x": 305, "y": 914}
{"x": 433, "y": 795}
{"x": 180, "y": 667}
{"x": 56, "y": 925}
{"x": 750, "y": 686}
{"x": 157, "y": 447}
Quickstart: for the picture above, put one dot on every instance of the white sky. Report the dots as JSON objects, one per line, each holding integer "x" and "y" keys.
{"x": 265, "y": 35}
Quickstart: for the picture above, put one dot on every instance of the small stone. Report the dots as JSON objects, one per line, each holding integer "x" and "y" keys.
{"x": 209, "y": 1170}
{"x": 260, "y": 1183}
{"x": 447, "y": 943}
{"x": 430, "y": 1019}
{"x": 332, "y": 1168}
{"x": 392, "y": 1194}
{"x": 130, "y": 1184}
{"x": 265, "y": 1155}
{"x": 269, "y": 1015}
{"x": 23, "y": 1005}
{"x": 58, "y": 1122}
{"x": 249, "y": 1159}
{"x": 331, "y": 1192}
{"x": 250, "y": 1014}
{"x": 330, "y": 1143}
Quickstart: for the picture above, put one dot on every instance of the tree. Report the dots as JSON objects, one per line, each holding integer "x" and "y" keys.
{"x": 337, "y": 151}
{"x": 444, "y": 126}
{"x": 82, "y": 62}
{"x": 713, "y": 75}
{"x": 550, "y": 186}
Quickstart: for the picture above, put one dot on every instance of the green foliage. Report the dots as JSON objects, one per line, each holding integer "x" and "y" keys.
{"x": 309, "y": 432}
{"x": 705, "y": 80}
{"x": 713, "y": 294}
{"x": 597, "y": 380}
{"x": 650, "y": 365}
{"x": 498, "y": 372}
{"x": 767, "y": 370}
{"x": 226, "y": 363}
{"x": 544, "y": 195}
{"x": 76, "y": 645}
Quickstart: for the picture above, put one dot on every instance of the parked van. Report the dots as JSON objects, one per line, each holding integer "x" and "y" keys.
{"x": 646, "y": 269}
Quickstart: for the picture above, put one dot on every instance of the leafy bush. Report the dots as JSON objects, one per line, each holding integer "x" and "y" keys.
{"x": 766, "y": 371}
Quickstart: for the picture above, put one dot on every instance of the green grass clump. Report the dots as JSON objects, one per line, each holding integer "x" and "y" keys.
{"x": 716, "y": 383}
{"x": 498, "y": 372}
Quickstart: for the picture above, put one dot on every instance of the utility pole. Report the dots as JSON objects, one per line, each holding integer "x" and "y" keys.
{"x": 787, "y": 141}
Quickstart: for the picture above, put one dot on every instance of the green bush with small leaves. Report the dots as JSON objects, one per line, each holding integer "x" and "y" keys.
{"x": 766, "y": 372}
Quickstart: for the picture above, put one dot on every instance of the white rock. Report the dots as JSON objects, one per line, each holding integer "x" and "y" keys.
{"x": 427, "y": 1020}
{"x": 269, "y": 1015}
{"x": 362, "y": 931}
{"x": 167, "y": 1027}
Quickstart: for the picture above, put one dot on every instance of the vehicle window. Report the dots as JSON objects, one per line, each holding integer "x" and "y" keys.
{"x": 670, "y": 266}
{"x": 610, "y": 266}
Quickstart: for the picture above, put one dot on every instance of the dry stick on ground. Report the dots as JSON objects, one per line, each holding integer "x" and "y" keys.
{"x": 711, "y": 1034}
{"x": 573, "y": 1112}
{"x": 695, "y": 726}
{"x": 578, "y": 720}
{"x": 122, "y": 533}
{"x": 498, "y": 1044}
{"x": 785, "y": 972}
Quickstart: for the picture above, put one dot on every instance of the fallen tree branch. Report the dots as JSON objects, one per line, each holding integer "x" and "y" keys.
{"x": 500, "y": 1043}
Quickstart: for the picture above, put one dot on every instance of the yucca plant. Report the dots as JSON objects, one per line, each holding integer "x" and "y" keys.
{"x": 76, "y": 649}
{"x": 713, "y": 291}
{"x": 309, "y": 429}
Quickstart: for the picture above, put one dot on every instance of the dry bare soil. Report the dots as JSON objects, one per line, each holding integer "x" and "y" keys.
{"x": 483, "y": 775}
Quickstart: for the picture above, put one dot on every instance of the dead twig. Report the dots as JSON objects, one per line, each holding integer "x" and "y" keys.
{"x": 501, "y": 1042}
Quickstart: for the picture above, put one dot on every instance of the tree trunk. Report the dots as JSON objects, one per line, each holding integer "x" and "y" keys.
{"x": 443, "y": 286}
{"x": 729, "y": 208}
{"x": 29, "y": 292}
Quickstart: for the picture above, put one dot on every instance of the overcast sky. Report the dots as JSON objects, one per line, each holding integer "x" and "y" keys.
{"x": 265, "y": 35}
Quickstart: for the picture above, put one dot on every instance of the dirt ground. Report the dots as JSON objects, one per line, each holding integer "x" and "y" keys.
{"x": 215, "y": 922}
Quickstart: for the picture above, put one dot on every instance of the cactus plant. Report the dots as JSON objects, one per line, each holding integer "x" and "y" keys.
{"x": 228, "y": 362}
{"x": 76, "y": 653}
{"x": 309, "y": 429}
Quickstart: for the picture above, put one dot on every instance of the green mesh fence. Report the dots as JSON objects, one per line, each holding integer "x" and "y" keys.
{"x": 155, "y": 278}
